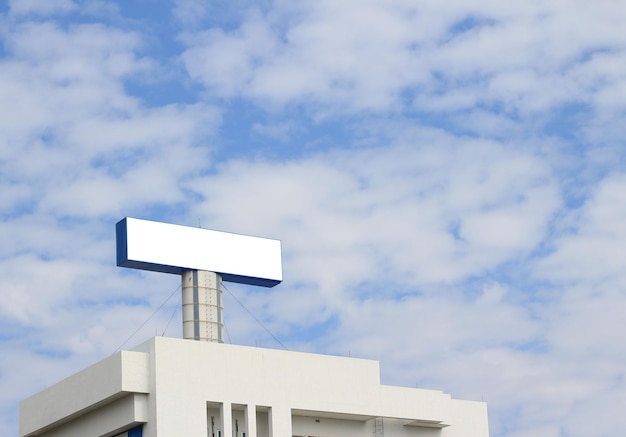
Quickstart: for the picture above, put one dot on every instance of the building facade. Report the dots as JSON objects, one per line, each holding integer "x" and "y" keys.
{"x": 180, "y": 388}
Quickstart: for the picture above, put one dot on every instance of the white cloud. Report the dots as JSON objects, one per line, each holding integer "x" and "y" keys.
{"x": 583, "y": 419}
{"x": 96, "y": 139}
{"x": 41, "y": 7}
{"x": 190, "y": 12}
{"x": 226, "y": 66}
{"x": 525, "y": 59}
{"x": 430, "y": 213}
{"x": 282, "y": 132}
{"x": 592, "y": 251}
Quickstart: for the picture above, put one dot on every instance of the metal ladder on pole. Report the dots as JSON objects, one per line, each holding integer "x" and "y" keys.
{"x": 379, "y": 427}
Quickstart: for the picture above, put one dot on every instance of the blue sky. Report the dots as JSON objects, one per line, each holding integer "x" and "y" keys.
{"x": 448, "y": 181}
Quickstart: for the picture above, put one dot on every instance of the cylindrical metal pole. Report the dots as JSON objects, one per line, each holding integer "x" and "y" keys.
{"x": 202, "y": 306}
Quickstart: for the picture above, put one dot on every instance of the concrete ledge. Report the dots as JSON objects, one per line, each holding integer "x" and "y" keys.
{"x": 112, "y": 378}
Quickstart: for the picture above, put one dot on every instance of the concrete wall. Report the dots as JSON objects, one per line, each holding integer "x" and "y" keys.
{"x": 109, "y": 419}
{"x": 341, "y": 389}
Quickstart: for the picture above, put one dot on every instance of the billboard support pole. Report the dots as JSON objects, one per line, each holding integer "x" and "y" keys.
{"x": 202, "y": 306}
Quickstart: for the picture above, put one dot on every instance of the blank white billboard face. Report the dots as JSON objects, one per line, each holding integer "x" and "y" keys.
{"x": 162, "y": 247}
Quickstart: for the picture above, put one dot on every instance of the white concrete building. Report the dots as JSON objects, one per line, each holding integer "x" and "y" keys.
{"x": 182, "y": 388}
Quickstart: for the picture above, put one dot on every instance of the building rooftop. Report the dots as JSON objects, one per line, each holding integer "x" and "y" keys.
{"x": 170, "y": 387}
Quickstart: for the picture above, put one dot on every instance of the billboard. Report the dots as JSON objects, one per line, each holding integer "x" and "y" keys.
{"x": 168, "y": 248}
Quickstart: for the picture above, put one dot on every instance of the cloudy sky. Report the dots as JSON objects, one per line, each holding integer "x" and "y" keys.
{"x": 448, "y": 180}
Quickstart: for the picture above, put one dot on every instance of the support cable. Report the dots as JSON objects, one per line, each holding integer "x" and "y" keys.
{"x": 227, "y": 333}
{"x": 257, "y": 320}
{"x": 170, "y": 320}
{"x": 147, "y": 320}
